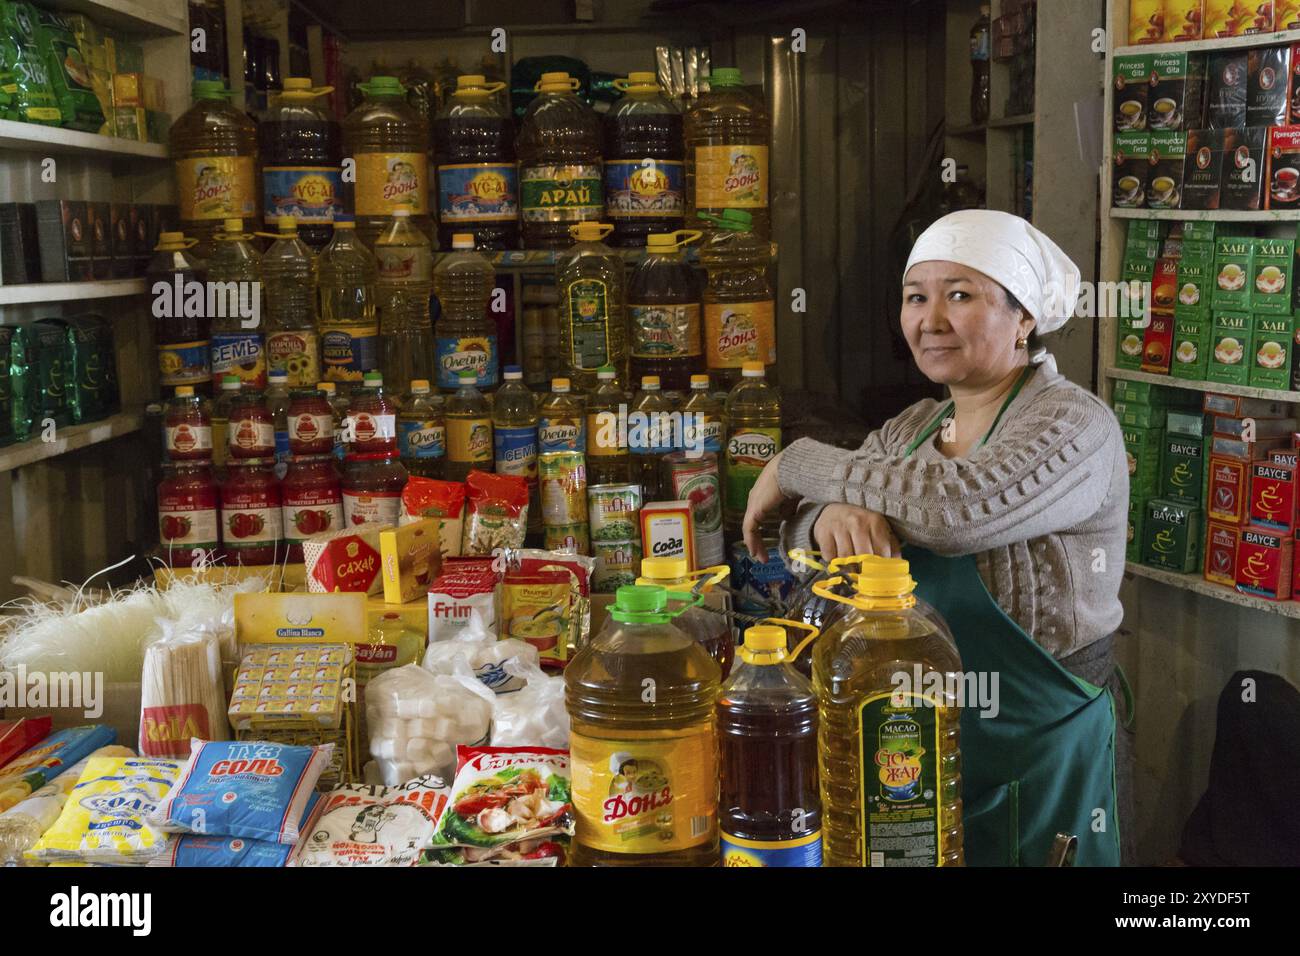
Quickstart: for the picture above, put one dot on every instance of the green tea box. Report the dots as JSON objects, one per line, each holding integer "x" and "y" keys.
{"x": 1271, "y": 349}
{"x": 1189, "y": 424}
{"x": 1234, "y": 263}
{"x": 1182, "y": 468}
{"x": 1198, "y": 231}
{"x": 1138, "y": 416}
{"x": 1271, "y": 278}
{"x": 1231, "y": 334}
{"x": 1191, "y": 347}
{"x": 1140, "y": 393}
{"x": 1195, "y": 287}
{"x": 1146, "y": 230}
{"x": 1142, "y": 447}
{"x": 1171, "y": 535}
{"x": 1129, "y": 335}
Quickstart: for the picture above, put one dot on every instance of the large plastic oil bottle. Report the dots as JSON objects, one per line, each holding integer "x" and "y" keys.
{"x": 663, "y": 313}
{"x": 514, "y": 430}
{"x": 213, "y": 147}
{"x": 422, "y": 431}
{"x": 727, "y": 135}
{"x": 889, "y": 755}
{"x": 739, "y": 310}
{"x": 705, "y": 409}
{"x": 753, "y": 414}
{"x": 474, "y": 159}
{"x": 289, "y": 287}
{"x": 300, "y": 152}
{"x": 465, "y": 337}
{"x": 347, "y": 280}
{"x": 560, "y": 173}
{"x": 593, "y": 326}
{"x": 769, "y": 808}
{"x": 183, "y": 340}
{"x": 405, "y": 278}
{"x": 607, "y": 453}
{"x": 238, "y": 344}
{"x": 640, "y": 697}
{"x": 710, "y": 628}
{"x": 645, "y": 176}
{"x": 389, "y": 143}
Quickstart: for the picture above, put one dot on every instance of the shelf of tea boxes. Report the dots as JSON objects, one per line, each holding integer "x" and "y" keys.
{"x": 33, "y": 137}
{"x": 1210, "y": 215}
{"x": 1223, "y": 43}
{"x": 1221, "y": 592}
{"x": 70, "y": 438}
{"x": 1270, "y": 394}
{"x": 70, "y": 291}
{"x": 130, "y": 16}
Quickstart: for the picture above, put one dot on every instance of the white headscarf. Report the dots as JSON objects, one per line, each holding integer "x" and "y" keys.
{"x": 1014, "y": 254}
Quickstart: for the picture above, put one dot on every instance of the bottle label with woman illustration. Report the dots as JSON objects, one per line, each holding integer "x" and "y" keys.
{"x": 389, "y": 181}
{"x": 216, "y": 187}
{"x": 732, "y": 176}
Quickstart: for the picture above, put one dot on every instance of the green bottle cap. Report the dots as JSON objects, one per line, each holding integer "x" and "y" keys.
{"x": 724, "y": 76}
{"x": 384, "y": 86}
{"x": 210, "y": 90}
{"x": 640, "y": 604}
{"x": 371, "y": 379}
{"x": 732, "y": 220}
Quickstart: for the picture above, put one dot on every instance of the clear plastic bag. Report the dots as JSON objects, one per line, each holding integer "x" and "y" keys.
{"x": 485, "y": 654}
{"x": 534, "y": 715}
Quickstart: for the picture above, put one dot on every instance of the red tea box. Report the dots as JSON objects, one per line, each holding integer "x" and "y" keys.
{"x": 1272, "y": 496}
{"x": 1264, "y": 563}
{"x": 1221, "y": 553}
{"x": 1226, "y": 501}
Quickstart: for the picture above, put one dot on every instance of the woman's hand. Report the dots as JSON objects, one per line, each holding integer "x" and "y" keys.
{"x": 843, "y": 530}
{"x": 765, "y": 498}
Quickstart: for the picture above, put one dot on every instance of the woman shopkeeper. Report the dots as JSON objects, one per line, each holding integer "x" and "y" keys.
{"x": 1010, "y": 501}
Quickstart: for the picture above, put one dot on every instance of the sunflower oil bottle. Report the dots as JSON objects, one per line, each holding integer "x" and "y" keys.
{"x": 213, "y": 147}
{"x": 607, "y": 454}
{"x": 889, "y": 754}
{"x": 663, "y": 313}
{"x": 405, "y": 278}
{"x": 465, "y": 337}
{"x": 474, "y": 155}
{"x": 514, "y": 434}
{"x": 421, "y": 431}
{"x": 640, "y": 697}
{"x": 560, "y": 172}
{"x": 753, "y": 415}
{"x": 739, "y": 310}
{"x": 237, "y": 348}
{"x": 469, "y": 431}
{"x": 769, "y": 809}
{"x": 389, "y": 143}
{"x": 561, "y": 423}
{"x": 289, "y": 287}
{"x": 645, "y": 190}
{"x": 706, "y": 430}
{"x": 299, "y": 151}
{"x": 649, "y": 437}
{"x": 593, "y": 328}
{"x": 727, "y": 134}
{"x": 347, "y": 280}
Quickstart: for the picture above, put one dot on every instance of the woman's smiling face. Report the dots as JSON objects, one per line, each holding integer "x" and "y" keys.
{"x": 959, "y": 325}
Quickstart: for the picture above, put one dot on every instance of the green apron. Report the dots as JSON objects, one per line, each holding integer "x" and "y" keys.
{"x": 1046, "y": 763}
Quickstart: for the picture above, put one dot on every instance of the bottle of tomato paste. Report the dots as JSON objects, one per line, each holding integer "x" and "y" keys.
{"x": 188, "y": 427}
{"x": 251, "y": 522}
{"x": 312, "y": 500}
{"x": 187, "y": 513}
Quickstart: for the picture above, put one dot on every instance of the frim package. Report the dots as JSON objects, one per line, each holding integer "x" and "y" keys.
{"x": 455, "y": 594}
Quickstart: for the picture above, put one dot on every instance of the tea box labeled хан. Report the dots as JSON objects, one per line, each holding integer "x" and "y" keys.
{"x": 1271, "y": 347}
{"x": 1142, "y": 448}
{"x": 1194, "y": 286}
{"x": 1234, "y": 265}
{"x": 1264, "y": 563}
{"x": 1272, "y": 266}
{"x": 1171, "y": 535}
{"x": 1191, "y": 348}
{"x": 1231, "y": 334}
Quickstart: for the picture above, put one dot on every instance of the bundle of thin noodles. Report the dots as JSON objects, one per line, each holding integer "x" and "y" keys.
{"x": 181, "y": 692}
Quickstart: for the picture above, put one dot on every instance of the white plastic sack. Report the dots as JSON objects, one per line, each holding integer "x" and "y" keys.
{"x": 534, "y": 715}
{"x": 483, "y": 652}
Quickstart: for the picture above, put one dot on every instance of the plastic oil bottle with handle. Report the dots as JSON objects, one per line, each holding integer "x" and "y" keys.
{"x": 640, "y": 697}
{"x": 889, "y": 750}
{"x": 593, "y": 329}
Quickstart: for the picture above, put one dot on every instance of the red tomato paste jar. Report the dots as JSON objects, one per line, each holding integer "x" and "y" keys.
{"x": 313, "y": 501}
{"x": 187, "y": 513}
{"x": 188, "y": 426}
{"x": 374, "y": 417}
{"x": 251, "y": 521}
{"x": 311, "y": 423}
{"x": 251, "y": 432}
{"x": 372, "y": 488}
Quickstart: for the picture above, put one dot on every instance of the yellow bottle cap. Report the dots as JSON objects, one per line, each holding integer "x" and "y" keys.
{"x": 590, "y": 231}
{"x": 470, "y": 79}
{"x": 660, "y": 242}
{"x": 292, "y": 83}
{"x": 699, "y": 381}
{"x": 650, "y": 382}
{"x": 560, "y": 385}
{"x": 885, "y": 577}
{"x": 753, "y": 369}
{"x": 642, "y": 77}
{"x": 462, "y": 240}
{"x": 765, "y": 638}
{"x": 419, "y": 384}
{"x": 663, "y": 569}
{"x": 557, "y": 83}
{"x": 232, "y": 225}
{"x": 184, "y": 391}
{"x": 287, "y": 225}
{"x": 344, "y": 224}
{"x": 326, "y": 387}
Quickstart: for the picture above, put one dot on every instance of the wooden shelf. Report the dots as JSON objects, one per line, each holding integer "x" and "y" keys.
{"x": 1198, "y": 585}
{"x": 70, "y": 291}
{"x": 1210, "y": 215}
{"x": 70, "y": 438}
{"x": 1227, "y": 43}
{"x": 33, "y": 137}
{"x": 132, "y": 16}
{"x": 1245, "y": 391}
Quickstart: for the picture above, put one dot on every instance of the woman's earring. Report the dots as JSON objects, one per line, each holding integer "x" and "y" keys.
{"x": 1022, "y": 343}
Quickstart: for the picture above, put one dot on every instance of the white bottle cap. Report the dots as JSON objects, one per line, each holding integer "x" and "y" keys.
{"x": 512, "y": 376}
{"x": 401, "y": 212}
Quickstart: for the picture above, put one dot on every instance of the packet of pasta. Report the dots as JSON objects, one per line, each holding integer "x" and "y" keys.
{"x": 498, "y": 513}
{"x": 444, "y": 500}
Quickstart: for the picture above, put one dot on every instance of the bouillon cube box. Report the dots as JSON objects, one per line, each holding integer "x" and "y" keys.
{"x": 1165, "y": 178}
{"x": 1182, "y": 469}
{"x": 1234, "y": 263}
{"x": 1243, "y": 168}
{"x": 1273, "y": 495}
{"x": 1157, "y": 344}
{"x": 1191, "y": 347}
{"x": 1268, "y": 85}
{"x": 1183, "y": 20}
{"x": 1146, "y": 21}
{"x": 1142, "y": 449}
{"x": 1221, "y": 553}
{"x": 1131, "y": 77}
{"x": 1195, "y": 282}
{"x": 1226, "y": 501}
{"x": 1283, "y": 170}
{"x": 1177, "y": 97}
{"x": 1132, "y": 159}
{"x": 1273, "y": 268}
{"x": 1225, "y": 100}
{"x": 1230, "y": 344}
{"x": 1202, "y": 169}
{"x": 1171, "y": 535}
{"x": 1264, "y": 563}
{"x": 1271, "y": 348}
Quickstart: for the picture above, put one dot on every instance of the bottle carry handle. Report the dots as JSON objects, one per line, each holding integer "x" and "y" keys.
{"x": 813, "y": 633}
{"x": 691, "y": 235}
{"x": 689, "y": 600}
{"x": 487, "y": 89}
{"x": 604, "y": 228}
{"x": 823, "y": 590}
{"x": 575, "y": 84}
{"x": 716, "y": 575}
{"x": 802, "y": 559}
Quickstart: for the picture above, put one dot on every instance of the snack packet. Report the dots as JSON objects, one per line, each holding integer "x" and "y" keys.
{"x": 22, "y": 68}
{"x": 49, "y": 758}
{"x": 444, "y": 500}
{"x": 367, "y": 825}
{"x": 503, "y": 795}
{"x": 580, "y": 568}
{"x": 498, "y": 513}
{"x": 21, "y": 734}
{"x": 106, "y": 817}
{"x": 545, "y": 851}
{"x": 254, "y": 789}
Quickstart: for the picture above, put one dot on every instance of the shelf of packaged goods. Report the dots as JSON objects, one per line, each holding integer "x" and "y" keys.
{"x": 1269, "y": 394}
{"x": 1221, "y": 592}
{"x": 1023, "y": 119}
{"x": 131, "y": 16}
{"x": 546, "y": 258}
{"x": 69, "y": 438}
{"x": 1221, "y": 43}
{"x": 1210, "y": 215}
{"x": 69, "y": 291}
{"x": 33, "y": 137}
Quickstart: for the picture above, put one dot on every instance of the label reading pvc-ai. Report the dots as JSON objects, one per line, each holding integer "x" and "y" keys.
{"x": 478, "y": 192}
{"x": 309, "y": 194}
{"x": 587, "y": 312}
{"x": 561, "y": 193}
{"x": 644, "y": 187}
{"x": 900, "y": 781}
